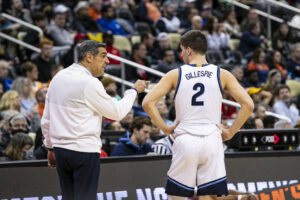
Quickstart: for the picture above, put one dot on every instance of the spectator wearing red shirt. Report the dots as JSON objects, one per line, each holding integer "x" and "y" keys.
{"x": 109, "y": 40}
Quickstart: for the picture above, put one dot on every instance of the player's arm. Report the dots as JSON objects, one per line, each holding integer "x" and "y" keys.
{"x": 230, "y": 84}
{"x": 167, "y": 83}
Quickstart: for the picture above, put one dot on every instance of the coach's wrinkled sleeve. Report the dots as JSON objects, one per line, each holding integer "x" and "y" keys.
{"x": 96, "y": 97}
{"x": 45, "y": 124}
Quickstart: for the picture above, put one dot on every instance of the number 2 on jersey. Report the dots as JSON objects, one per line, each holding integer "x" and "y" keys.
{"x": 198, "y": 94}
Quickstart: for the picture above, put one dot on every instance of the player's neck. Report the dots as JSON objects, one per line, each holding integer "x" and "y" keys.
{"x": 197, "y": 59}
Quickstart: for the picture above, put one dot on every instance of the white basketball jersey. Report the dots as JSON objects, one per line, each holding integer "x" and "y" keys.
{"x": 198, "y": 99}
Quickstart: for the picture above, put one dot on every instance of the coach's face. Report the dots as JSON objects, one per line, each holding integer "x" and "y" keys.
{"x": 99, "y": 62}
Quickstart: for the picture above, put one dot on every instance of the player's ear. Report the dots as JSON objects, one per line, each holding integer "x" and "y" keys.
{"x": 189, "y": 51}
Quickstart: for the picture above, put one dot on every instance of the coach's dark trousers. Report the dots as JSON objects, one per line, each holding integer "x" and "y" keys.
{"x": 78, "y": 174}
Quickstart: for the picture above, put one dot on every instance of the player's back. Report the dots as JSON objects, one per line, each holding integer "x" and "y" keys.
{"x": 198, "y": 99}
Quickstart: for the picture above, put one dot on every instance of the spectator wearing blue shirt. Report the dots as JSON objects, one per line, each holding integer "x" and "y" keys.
{"x": 251, "y": 40}
{"x": 141, "y": 128}
{"x": 284, "y": 105}
{"x": 108, "y": 22}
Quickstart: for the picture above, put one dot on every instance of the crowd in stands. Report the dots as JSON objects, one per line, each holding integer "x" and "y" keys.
{"x": 146, "y": 32}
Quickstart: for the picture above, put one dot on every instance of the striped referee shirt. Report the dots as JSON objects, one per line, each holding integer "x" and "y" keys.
{"x": 163, "y": 146}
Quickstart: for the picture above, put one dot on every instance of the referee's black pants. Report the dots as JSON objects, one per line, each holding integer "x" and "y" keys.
{"x": 78, "y": 174}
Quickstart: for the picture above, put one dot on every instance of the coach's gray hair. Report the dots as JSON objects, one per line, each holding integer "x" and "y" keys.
{"x": 89, "y": 46}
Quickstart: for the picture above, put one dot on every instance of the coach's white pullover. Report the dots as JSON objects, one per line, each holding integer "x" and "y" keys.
{"x": 75, "y": 104}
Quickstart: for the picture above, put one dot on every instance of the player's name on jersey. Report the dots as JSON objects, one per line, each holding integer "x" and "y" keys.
{"x": 197, "y": 74}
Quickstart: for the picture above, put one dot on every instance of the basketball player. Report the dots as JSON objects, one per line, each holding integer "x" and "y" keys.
{"x": 198, "y": 156}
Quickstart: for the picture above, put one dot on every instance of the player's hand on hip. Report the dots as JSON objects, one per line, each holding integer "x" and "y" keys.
{"x": 170, "y": 129}
{"x": 51, "y": 160}
{"x": 141, "y": 85}
{"x": 226, "y": 135}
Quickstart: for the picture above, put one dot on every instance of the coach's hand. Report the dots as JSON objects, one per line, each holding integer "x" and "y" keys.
{"x": 141, "y": 85}
{"x": 51, "y": 159}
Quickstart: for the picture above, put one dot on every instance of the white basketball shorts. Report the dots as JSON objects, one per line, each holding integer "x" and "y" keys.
{"x": 197, "y": 161}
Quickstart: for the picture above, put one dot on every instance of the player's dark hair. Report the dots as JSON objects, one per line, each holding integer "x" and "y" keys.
{"x": 195, "y": 40}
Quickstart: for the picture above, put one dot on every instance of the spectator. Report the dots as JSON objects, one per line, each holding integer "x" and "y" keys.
{"x": 111, "y": 87}
{"x": 44, "y": 60}
{"x": 186, "y": 23}
{"x": 53, "y": 71}
{"x": 275, "y": 63}
{"x": 139, "y": 55}
{"x": 30, "y": 71}
{"x": 257, "y": 63}
{"x": 59, "y": 34}
{"x": 32, "y": 36}
{"x": 5, "y": 128}
{"x": 231, "y": 24}
{"x": 196, "y": 23}
{"x": 284, "y": 106}
{"x": 273, "y": 81}
{"x": 217, "y": 38}
{"x": 282, "y": 39}
{"x": 163, "y": 44}
{"x": 141, "y": 128}
{"x": 164, "y": 146}
{"x": 154, "y": 135}
{"x": 228, "y": 111}
{"x": 10, "y": 100}
{"x": 18, "y": 10}
{"x": 95, "y": 9}
{"x": 293, "y": 64}
{"x": 114, "y": 126}
{"x": 17, "y": 123}
{"x": 148, "y": 40}
{"x": 24, "y": 88}
{"x": 206, "y": 13}
{"x": 252, "y": 17}
{"x": 260, "y": 110}
{"x": 251, "y": 79}
{"x": 4, "y": 71}
{"x": 68, "y": 58}
{"x": 40, "y": 97}
{"x": 251, "y": 40}
{"x": 164, "y": 112}
{"x": 83, "y": 23}
{"x": 168, "y": 22}
{"x": 148, "y": 12}
{"x": 108, "y": 22}
{"x": 18, "y": 148}
{"x": 108, "y": 39}
{"x": 238, "y": 73}
{"x": 127, "y": 120}
{"x": 259, "y": 96}
{"x": 168, "y": 62}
